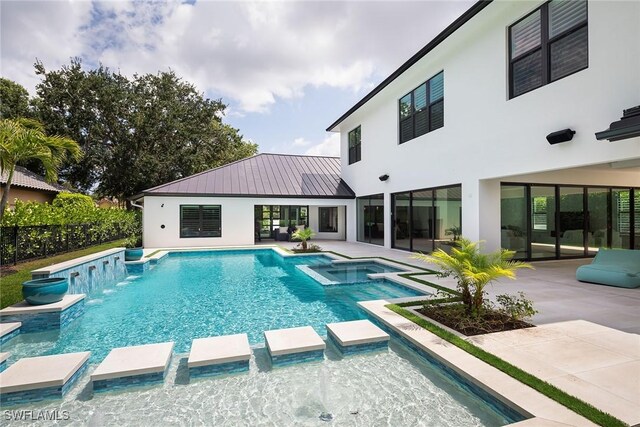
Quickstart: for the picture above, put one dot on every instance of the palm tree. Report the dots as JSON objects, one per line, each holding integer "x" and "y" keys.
{"x": 303, "y": 235}
{"x": 24, "y": 139}
{"x": 474, "y": 270}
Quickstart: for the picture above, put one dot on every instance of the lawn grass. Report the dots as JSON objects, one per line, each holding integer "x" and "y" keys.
{"x": 571, "y": 402}
{"x": 11, "y": 284}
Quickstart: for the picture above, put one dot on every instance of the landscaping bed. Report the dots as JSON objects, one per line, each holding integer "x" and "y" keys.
{"x": 454, "y": 317}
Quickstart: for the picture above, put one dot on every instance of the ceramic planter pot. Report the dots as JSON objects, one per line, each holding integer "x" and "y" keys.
{"x": 45, "y": 291}
{"x": 133, "y": 254}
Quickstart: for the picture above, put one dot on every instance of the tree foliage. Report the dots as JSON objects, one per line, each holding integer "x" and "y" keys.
{"x": 136, "y": 132}
{"x": 24, "y": 140}
{"x": 14, "y": 100}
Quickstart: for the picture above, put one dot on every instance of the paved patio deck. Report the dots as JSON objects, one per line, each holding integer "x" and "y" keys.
{"x": 556, "y": 293}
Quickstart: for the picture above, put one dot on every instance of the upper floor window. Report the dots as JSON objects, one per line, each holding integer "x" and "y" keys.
{"x": 422, "y": 109}
{"x": 200, "y": 221}
{"x": 354, "y": 145}
{"x": 548, "y": 44}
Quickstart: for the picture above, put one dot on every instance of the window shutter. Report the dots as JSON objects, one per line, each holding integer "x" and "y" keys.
{"x": 406, "y": 130}
{"x": 569, "y": 54}
{"x": 437, "y": 116}
{"x": 527, "y": 73}
{"x": 564, "y": 15}
{"x": 526, "y": 35}
{"x": 421, "y": 122}
{"x": 189, "y": 221}
{"x": 405, "y": 107}
{"x": 420, "y": 97}
{"x": 436, "y": 88}
{"x": 211, "y": 221}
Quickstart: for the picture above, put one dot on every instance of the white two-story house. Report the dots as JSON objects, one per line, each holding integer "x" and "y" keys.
{"x": 518, "y": 125}
{"x": 494, "y": 129}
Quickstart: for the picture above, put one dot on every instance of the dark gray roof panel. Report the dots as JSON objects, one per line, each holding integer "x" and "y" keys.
{"x": 264, "y": 175}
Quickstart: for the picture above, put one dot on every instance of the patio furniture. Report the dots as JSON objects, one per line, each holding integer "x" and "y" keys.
{"x": 612, "y": 267}
{"x": 282, "y": 234}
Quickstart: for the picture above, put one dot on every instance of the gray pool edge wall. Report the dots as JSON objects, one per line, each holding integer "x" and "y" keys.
{"x": 88, "y": 273}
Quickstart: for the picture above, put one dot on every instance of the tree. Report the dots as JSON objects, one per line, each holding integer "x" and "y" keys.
{"x": 24, "y": 139}
{"x": 136, "y": 132}
{"x": 474, "y": 270}
{"x": 14, "y": 100}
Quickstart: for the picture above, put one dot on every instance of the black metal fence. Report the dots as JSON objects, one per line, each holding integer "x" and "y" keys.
{"x": 23, "y": 243}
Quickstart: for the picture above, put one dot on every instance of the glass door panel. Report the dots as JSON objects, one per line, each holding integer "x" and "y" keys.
{"x": 363, "y": 219}
{"x": 448, "y": 226}
{"x": 423, "y": 220}
{"x": 620, "y": 218}
{"x": 636, "y": 202}
{"x": 402, "y": 221}
{"x": 543, "y": 224}
{"x": 571, "y": 222}
{"x": 597, "y": 219}
{"x": 377, "y": 218}
{"x": 513, "y": 217}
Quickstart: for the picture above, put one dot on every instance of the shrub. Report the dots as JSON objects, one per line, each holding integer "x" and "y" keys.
{"x": 517, "y": 307}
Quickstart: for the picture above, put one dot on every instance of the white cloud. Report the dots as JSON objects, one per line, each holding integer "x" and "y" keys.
{"x": 300, "y": 142}
{"x": 250, "y": 53}
{"x": 330, "y": 146}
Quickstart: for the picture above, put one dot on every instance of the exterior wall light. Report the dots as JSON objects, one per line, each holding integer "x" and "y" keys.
{"x": 563, "y": 135}
{"x": 383, "y": 177}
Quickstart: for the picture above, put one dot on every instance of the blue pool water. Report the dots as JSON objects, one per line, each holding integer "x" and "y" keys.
{"x": 199, "y": 294}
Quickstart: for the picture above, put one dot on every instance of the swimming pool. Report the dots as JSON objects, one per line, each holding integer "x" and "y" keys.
{"x": 198, "y": 294}
{"x": 207, "y": 293}
{"x": 351, "y": 272}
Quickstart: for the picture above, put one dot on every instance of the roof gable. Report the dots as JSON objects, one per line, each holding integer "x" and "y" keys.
{"x": 265, "y": 175}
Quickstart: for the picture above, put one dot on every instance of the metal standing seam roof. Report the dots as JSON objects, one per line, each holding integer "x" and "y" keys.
{"x": 24, "y": 178}
{"x": 264, "y": 175}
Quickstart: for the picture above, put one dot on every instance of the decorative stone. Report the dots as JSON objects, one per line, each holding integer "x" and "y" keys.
{"x": 133, "y": 366}
{"x": 357, "y": 336}
{"x": 37, "y": 378}
{"x": 219, "y": 355}
{"x": 294, "y": 345}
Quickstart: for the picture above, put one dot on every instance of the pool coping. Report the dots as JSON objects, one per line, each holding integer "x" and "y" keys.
{"x": 503, "y": 387}
{"x": 74, "y": 262}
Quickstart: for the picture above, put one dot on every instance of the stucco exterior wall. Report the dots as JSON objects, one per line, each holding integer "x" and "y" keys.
{"x": 238, "y": 225}
{"x": 487, "y": 136}
{"x": 27, "y": 195}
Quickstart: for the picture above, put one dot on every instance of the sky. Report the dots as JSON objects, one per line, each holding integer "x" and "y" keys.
{"x": 285, "y": 69}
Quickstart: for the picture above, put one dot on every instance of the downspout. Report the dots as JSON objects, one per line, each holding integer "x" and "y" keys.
{"x": 137, "y": 206}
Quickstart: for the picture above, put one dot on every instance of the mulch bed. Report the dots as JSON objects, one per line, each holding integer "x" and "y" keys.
{"x": 453, "y": 316}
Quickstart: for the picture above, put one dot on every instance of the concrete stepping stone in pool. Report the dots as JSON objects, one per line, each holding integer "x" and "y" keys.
{"x": 358, "y": 336}
{"x": 133, "y": 366}
{"x": 36, "y": 378}
{"x": 226, "y": 354}
{"x": 3, "y": 361}
{"x": 9, "y": 330}
{"x": 294, "y": 345}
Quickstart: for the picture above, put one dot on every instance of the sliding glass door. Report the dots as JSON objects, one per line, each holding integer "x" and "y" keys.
{"x": 556, "y": 221}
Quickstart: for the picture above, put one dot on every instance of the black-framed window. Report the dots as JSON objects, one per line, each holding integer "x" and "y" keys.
{"x": 422, "y": 109}
{"x": 548, "y": 44}
{"x": 328, "y": 219}
{"x": 355, "y": 144}
{"x": 200, "y": 221}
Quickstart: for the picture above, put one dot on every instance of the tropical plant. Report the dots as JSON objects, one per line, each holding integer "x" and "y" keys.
{"x": 23, "y": 140}
{"x": 518, "y": 307}
{"x": 474, "y": 270}
{"x": 455, "y": 230}
{"x": 303, "y": 234}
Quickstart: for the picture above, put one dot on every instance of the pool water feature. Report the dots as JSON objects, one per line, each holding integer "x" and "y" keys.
{"x": 200, "y": 294}
{"x": 357, "y": 390}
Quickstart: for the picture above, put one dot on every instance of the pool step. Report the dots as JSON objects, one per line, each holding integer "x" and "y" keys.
{"x": 358, "y": 336}
{"x": 9, "y": 330}
{"x": 133, "y": 366}
{"x": 226, "y": 354}
{"x": 36, "y": 378}
{"x": 294, "y": 345}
